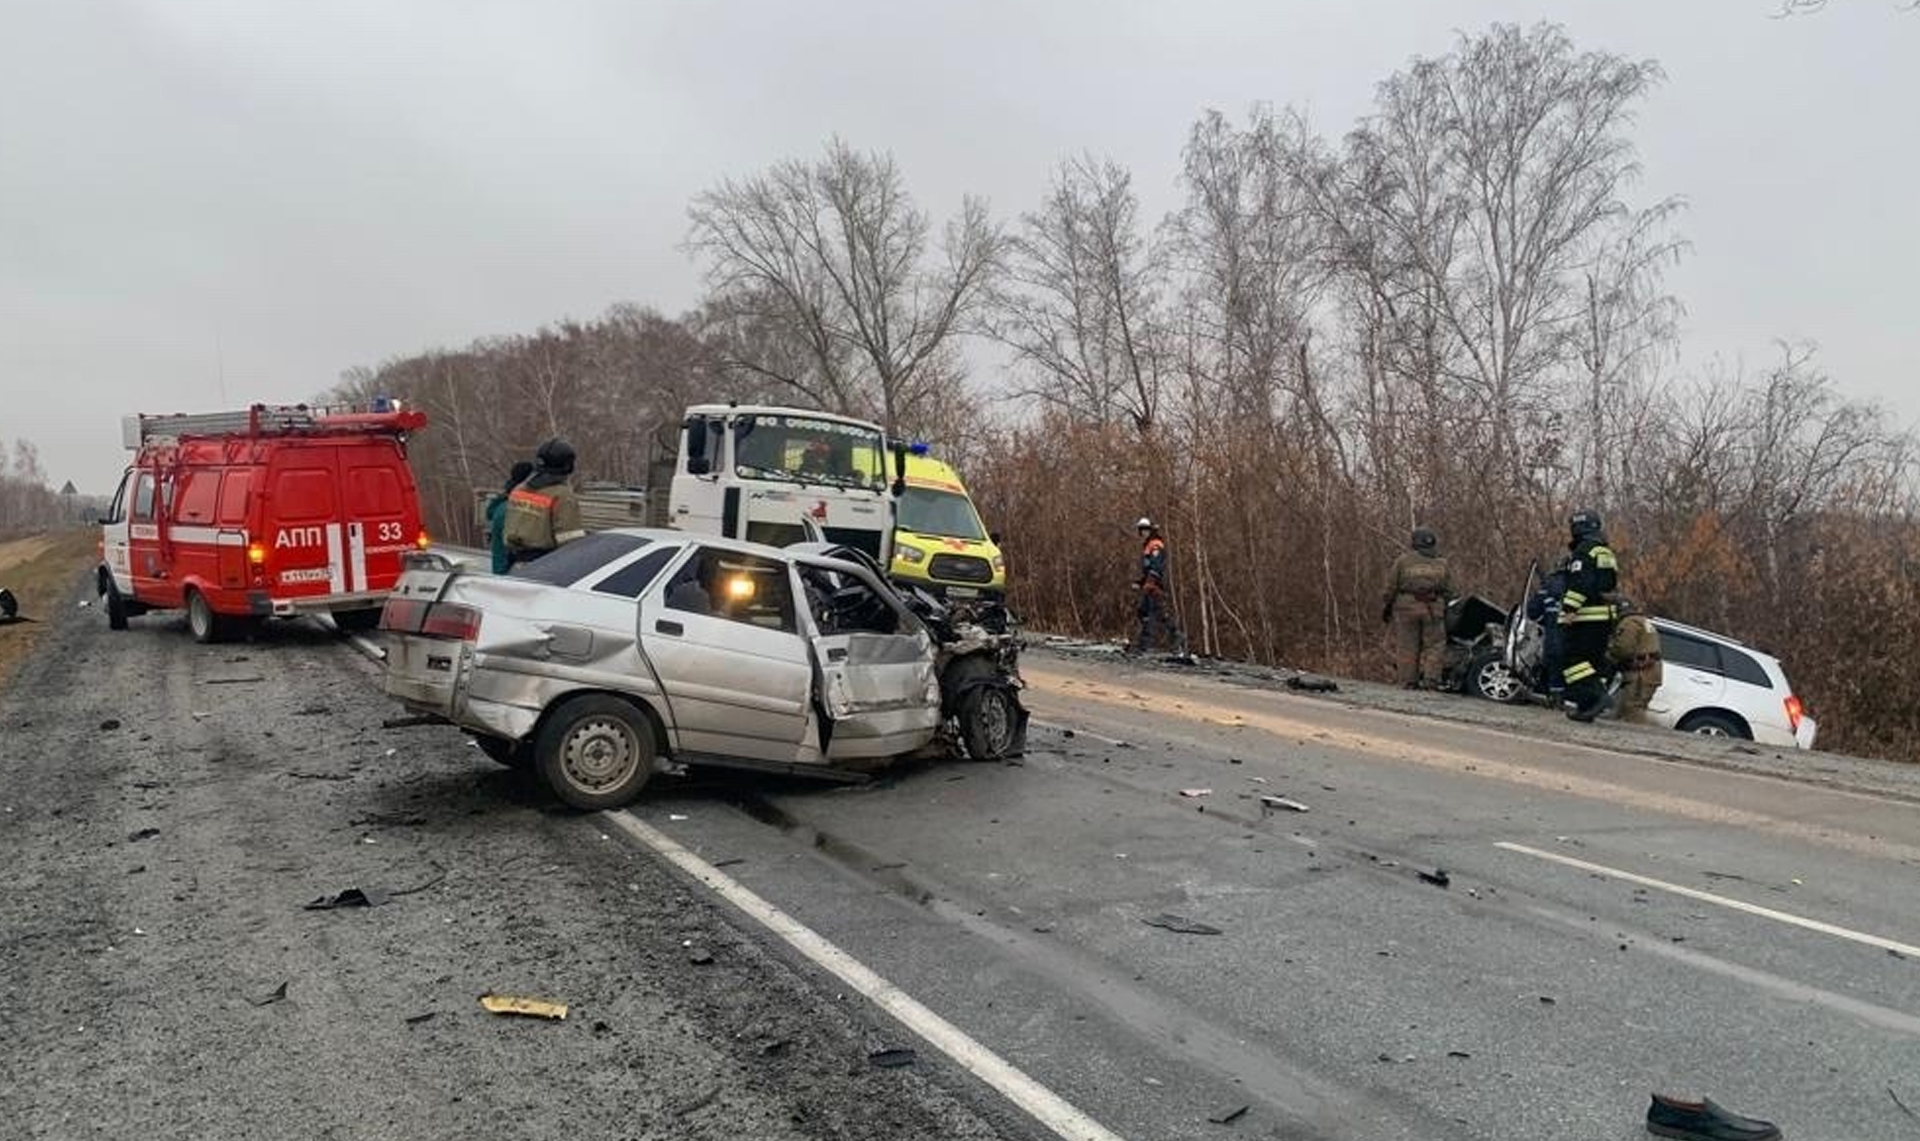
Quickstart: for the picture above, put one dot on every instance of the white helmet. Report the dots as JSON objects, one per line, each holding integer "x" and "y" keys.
{"x": 1145, "y": 524}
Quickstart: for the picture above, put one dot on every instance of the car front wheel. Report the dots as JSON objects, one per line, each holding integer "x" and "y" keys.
{"x": 595, "y": 752}
{"x": 1489, "y": 676}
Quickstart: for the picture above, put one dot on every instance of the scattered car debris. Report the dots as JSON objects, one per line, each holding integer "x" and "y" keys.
{"x": 893, "y": 1059}
{"x": 529, "y": 1007}
{"x": 1704, "y": 1121}
{"x": 1458, "y": 1054}
{"x": 268, "y": 998}
{"x": 1312, "y": 684}
{"x": 409, "y": 722}
{"x": 1546, "y": 1000}
{"x": 1270, "y": 802}
{"x": 248, "y": 679}
{"x": 1438, "y": 877}
{"x": 1196, "y": 792}
{"x": 417, "y": 1019}
{"x": 109, "y": 725}
{"x": 698, "y": 1103}
{"x": 1181, "y": 925}
{"x": 298, "y": 775}
{"x": 351, "y": 897}
{"x": 142, "y": 834}
{"x": 700, "y": 957}
{"x": 729, "y": 861}
{"x": 136, "y": 869}
{"x": 1228, "y": 1116}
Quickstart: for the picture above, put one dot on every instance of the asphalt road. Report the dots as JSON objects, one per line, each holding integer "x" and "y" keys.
{"x": 1613, "y": 921}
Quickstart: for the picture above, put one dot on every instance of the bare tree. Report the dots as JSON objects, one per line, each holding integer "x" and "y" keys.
{"x": 828, "y": 266}
{"x": 1079, "y": 302}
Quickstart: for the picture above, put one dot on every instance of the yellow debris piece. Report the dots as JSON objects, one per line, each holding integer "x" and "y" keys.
{"x": 531, "y": 1007}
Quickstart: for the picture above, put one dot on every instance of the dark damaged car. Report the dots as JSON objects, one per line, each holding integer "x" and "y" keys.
{"x": 632, "y": 652}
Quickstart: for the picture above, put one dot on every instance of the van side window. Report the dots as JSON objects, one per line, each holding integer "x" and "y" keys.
{"x": 303, "y": 495}
{"x": 118, "y": 512}
{"x": 197, "y": 498}
{"x": 142, "y": 497}
{"x": 233, "y": 497}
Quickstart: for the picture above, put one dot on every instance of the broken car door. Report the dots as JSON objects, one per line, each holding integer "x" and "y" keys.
{"x": 878, "y": 690}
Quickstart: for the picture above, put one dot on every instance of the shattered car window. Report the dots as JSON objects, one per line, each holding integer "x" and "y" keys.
{"x": 574, "y": 561}
{"x": 846, "y": 604}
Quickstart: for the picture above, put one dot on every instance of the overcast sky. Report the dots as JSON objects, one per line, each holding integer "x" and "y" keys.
{"x": 205, "y": 204}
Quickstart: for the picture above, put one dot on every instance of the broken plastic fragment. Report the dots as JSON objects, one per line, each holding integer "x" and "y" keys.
{"x": 1438, "y": 877}
{"x": 530, "y": 1007}
{"x": 352, "y": 897}
{"x": 893, "y": 1059}
{"x": 1228, "y": 1116}
{"x": 1181, "y": 925}
{"x": 1196, "y": 792}
{"x": 1269, "y": 802}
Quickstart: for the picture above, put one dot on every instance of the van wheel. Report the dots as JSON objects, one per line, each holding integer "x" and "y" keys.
{"x": 116, "y": 608}
{"x": 595, "y": 751}
{"x": 990, "y": 722}
{"x": 1715, "y": 725}
{"x": 202, "y": 622}
{"x": 513, "y": 754}
{"x": 356, "y": 621}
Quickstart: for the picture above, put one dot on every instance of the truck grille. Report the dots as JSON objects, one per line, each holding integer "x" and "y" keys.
{"x": 960, "y": 568}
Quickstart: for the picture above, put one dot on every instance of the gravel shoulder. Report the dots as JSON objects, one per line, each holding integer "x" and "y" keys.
{"x": 166, "y": 810}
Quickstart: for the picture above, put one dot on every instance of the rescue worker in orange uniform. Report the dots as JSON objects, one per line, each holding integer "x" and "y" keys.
{"x": 1155, "y": 605}
{"x": 543, "y": 512}
{"x": 1415, "y": 603}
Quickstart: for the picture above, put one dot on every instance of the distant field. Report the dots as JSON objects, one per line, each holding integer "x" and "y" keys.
{"x": 43, "y": 572}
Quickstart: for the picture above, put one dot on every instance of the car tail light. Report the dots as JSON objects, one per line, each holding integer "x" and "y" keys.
{"x": 451, "y": 620}
{"x": 1795, "y": 711}
{"x": 403, "y": 615}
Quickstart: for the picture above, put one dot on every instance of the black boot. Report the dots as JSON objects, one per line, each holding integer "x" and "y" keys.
{"x": 1589, "y": 699}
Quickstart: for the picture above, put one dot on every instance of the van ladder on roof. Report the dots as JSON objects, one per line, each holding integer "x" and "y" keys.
{"x": 266, "y": 420}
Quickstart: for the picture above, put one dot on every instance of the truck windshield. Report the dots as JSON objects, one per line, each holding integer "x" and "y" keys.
{"x": 925, "y": 511}
{"x": 800, "y": 449}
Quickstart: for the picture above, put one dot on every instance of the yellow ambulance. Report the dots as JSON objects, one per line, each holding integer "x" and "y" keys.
{"x": 938, "y": 540}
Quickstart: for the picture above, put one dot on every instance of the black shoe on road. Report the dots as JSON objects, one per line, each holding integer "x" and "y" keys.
{"x": 1704, "y": 1121}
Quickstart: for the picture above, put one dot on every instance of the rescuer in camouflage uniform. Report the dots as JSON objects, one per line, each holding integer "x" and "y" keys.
{"x": 1634, "y": 650}
{"x": 1415, "y": 603}
{"x": 1586, "y": 614}
{"x": 543, "y": 512}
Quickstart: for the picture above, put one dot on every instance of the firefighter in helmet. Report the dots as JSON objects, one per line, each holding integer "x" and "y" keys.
{"x": 543, "y": 512}
{"x": 1155, "y": 605}
{"x": 1634, "y": 650}
{"x": 1415, "y": 604}
{"x": 1586, "y": 614}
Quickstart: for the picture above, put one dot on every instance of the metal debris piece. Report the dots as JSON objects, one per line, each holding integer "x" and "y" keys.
{"x": 893, "y": 1059}
{"x": 700, "y": 956}
{"x": 1228, "y": 1116}
{"x": 1181, "y": 925}
{"x": 142, "y": 834}
{"x": 1196, "y": 792}
{"x": 1438, "y": 877}
{"x": 417, "y": 1019}
{"x": 249, "y": 679}
{"x": 729, "y": 861}
{"x": 275, "y": 995}
{"x": 351, "y": 897}
{"x": 530, "y": 1007}
{"x": 1458, "y": 1054}
{"x": 1270, "y": 802}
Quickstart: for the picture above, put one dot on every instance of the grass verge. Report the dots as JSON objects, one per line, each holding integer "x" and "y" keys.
{"x": 43, "y": 572}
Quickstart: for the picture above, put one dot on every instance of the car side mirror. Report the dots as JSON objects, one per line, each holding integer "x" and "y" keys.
{"x": 899, "y": 470}
{"x": 994, "y": 538}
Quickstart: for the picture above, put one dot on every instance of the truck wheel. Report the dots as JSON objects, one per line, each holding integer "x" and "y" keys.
{"x": 356, "y": 621}
{"x": 595, "y": 751}
{"x": 1489, "y": 677}
{"x": 990, "y": 722}
{"x": 202, "y": 622}
{"x": 513, "y": 754}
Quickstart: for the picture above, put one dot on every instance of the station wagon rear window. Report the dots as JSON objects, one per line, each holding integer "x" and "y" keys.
{"x": 574, "y": 561}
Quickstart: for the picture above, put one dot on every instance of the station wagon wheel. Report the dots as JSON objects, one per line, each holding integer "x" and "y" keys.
{"x": 1714, "y": 725}
{"x": 989, "y": 722}
{"x": 595, "y": 751}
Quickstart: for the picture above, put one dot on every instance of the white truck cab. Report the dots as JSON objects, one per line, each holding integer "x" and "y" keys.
{"x": 755, "y": 472}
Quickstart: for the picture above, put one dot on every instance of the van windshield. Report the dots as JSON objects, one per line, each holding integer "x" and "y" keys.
{"x": 800, "y": 449}
{"x": 925, "y": 511}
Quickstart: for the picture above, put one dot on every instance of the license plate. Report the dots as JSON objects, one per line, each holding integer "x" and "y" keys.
{"x": 963, "y": 592}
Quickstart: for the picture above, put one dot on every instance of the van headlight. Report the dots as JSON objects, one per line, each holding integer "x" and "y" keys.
{"x": 907, "y": 554}
{"x": 999, "y": 564}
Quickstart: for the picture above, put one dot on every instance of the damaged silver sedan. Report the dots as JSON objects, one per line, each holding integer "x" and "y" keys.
{"x": 637, "y": 651}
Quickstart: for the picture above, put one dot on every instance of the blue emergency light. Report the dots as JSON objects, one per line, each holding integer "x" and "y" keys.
{"x": 919, "y": 448}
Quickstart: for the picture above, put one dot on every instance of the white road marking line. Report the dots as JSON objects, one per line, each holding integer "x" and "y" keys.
{"x": 1045, "y": 1106}
{"x": 1881, "y": 942}
{"x": 1058, "y": 728}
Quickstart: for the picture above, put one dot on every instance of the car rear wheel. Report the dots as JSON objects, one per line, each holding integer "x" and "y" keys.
{"x": 202, "y": 622}
{"x": 1489, "y": 676}
{"x": 1715, "y": 725}
{"x": 513, "y": 754}
{"x": 595, "y": 751}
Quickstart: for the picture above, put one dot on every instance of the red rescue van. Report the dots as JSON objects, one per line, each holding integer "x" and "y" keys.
{"x": 265, "y": 512}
